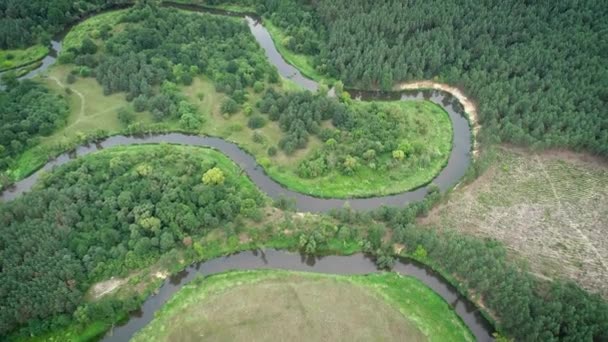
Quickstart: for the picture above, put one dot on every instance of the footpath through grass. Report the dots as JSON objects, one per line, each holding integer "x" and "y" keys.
{"x": 283, "y": 305}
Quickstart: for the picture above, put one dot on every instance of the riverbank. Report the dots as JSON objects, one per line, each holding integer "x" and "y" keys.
{"x": 388, "y": 306}
{"x": 14, "y": 59}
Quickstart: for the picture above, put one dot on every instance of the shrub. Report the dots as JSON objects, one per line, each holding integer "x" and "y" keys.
{"x": 256, "y": 121}
{"x": 272, "y": 151}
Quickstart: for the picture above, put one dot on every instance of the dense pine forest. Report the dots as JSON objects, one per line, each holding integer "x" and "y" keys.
{"x": 536, "y": 69}
{"x": 104, "y": 215}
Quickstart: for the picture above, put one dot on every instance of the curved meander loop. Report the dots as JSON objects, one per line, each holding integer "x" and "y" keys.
{"x": 449, "y": 175}
{"x": 274, "y": 259}
{"x": 356, "y": 264}
{"x": 453, "y": 171}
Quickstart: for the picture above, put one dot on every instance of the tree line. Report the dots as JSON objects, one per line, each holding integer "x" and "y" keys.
{"x": 24, "y": 23}
{"x": 103, "y": 215}
{"x": 536, "y": 69}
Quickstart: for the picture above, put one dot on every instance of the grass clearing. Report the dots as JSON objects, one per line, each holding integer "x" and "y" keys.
{"x": 11, "y": 59}
{"x": 98, "y": 112}
{"x": 281, "y": 305}
{"x": 548, "y": 208}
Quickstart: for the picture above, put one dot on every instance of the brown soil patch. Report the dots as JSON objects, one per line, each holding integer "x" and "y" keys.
{"x": 549, "y": 208}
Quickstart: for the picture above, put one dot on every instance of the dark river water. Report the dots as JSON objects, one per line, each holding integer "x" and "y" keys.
{"x": 274, "y": 259}
{"x": 271, "y": 259}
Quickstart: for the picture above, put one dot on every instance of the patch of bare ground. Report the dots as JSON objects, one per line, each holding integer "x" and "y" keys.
{"x": 550, "y": 208}
{"x": 105, "y": 287}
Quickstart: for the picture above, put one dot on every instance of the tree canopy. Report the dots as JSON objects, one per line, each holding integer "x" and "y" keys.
{"x": 104, "y": 215}
{"x": 536, "y": 69}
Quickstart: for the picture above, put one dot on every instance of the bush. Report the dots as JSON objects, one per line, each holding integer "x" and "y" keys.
{"x": 229, "y": 106}
{"x": 140, "y": 103}
{"x": 256, "y": 121}
{"x": 272, "y": 151}
{"x": 71, "y": 78}
{"x": 258, "y": 138}
{"x": 258, "y": 87}
{"x": 125, "y": 116}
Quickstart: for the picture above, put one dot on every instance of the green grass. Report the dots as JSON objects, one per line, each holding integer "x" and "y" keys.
{"x": 426, "y": 124}
{"x": 373, "y": 307}
{"x": 91, "y": 111}
{"x": 98, "y": 113}
{"x": 11, "y": 59}
{"x": 90, "y": 28}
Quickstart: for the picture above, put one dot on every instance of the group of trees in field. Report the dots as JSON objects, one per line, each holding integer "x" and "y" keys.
{"x": 536, "y": 69}
{"x": 27, "y": 111}
{"x": 104, "y": 215}
{"x": 24, "y": 23}
{"x": 358, "y": 134}
{"x": 160, "y": 45}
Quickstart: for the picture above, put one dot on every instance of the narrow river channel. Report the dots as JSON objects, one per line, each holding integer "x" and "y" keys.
{"x": 272, "y": 259}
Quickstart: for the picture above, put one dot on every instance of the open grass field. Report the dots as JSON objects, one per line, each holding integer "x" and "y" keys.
{"x": 549, "y": 208}
{"x": 290, "y": 306}
{"x": 11, "y": 59}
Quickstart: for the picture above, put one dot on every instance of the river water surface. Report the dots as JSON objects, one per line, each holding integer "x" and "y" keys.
{"x": 355, "y": 264}
{"x": 274, "y": 259}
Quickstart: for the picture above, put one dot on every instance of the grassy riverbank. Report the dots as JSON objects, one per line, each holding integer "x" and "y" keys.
{"x": 379, "y": 306}
{"x": 94, "y": 114}
{"x": 12, "y": 59}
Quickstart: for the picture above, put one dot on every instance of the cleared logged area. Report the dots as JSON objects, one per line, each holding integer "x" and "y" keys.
{"x": 549, "y": 208}
{"x": 287, "y": 306}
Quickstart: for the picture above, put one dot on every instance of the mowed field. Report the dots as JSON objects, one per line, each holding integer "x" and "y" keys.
{"x": 550, "y": 208}
{"x": 289, "y": 306}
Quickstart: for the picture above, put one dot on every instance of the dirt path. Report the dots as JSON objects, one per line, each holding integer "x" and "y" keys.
{"x": 469, "y": 106}
{"x": 82, "y": 99}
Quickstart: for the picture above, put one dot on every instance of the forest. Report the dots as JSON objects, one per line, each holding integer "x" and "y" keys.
{"x": 537, "y": 71}
{"x": 516, "y": 59}
{"x": 24, "y": 23}
{"x": 161, "y": 45}
{"x": 28, "y": 111}
{"x": 106, "y": 214}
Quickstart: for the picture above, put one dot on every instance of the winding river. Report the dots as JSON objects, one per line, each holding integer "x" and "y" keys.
{"x": 274, "y": 259}
{"x": 456, "y": 167}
